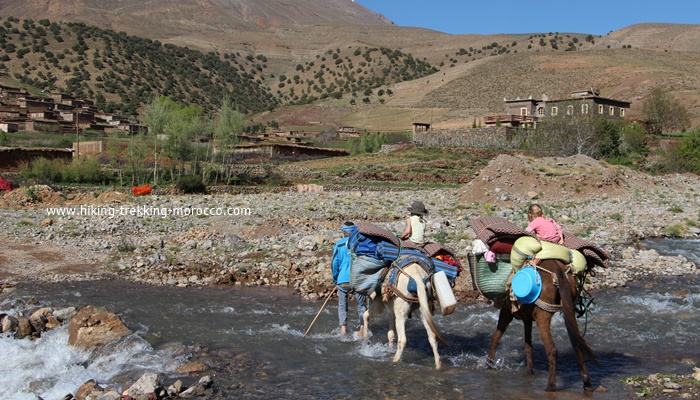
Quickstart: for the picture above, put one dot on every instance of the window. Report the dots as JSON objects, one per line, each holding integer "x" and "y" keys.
{"x": 554, "y": 111}
{"x": 622, "y": 112}
{"x": 612, "y": 110}
{"x": 600, "y": 109}
{"x": 540, "y": 111}
{"x": 523, "y": 111}
{"x": 569, "y": 110}
{"x": 584, "y": 108}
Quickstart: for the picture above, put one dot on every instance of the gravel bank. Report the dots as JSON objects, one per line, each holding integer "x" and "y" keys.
{"x": 284, "y": 237}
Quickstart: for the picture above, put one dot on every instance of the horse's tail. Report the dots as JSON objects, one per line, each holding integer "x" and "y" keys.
{"x": 567, "y": 293}
{"x": 425, "y": 308}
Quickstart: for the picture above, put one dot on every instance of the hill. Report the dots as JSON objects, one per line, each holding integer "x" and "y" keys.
{"x": 193, "y": 17}
{"x": 335, "y": 53}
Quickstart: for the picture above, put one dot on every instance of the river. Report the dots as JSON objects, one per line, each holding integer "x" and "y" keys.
{"x": 257, "y": 345}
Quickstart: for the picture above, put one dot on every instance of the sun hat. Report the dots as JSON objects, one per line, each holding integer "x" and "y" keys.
{"x": 526, "y": 285}
{"x": 417, "y": 208}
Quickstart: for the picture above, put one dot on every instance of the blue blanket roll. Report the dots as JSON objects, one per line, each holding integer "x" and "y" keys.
{"x": 390, "y": 252}
{"x": 450, "y": 270}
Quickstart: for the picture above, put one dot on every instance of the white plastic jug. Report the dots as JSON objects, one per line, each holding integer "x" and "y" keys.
{"x": 445, "y": 296}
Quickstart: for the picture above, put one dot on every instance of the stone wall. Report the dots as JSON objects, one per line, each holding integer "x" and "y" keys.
{"x": 492, "y": 136}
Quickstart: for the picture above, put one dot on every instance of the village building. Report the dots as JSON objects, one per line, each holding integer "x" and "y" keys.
{"x": 20, "y": 110}
{"x": 528, "y": 111}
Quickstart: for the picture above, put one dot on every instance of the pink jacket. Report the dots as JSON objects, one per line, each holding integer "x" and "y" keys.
{"x": 545, "y": 229}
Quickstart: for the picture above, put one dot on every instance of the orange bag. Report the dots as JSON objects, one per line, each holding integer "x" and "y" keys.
{"x": 141, "y": 190}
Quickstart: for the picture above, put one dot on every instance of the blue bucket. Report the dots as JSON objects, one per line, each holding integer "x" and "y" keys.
{"x": 526, "y": 285}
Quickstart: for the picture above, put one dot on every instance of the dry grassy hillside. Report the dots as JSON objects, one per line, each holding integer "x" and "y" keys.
{"x": 625, "y": 74}
{"x": 476, "y": 71}
{"x": 650, "y": 36}
{"x": 184, "y": 17}
{"x": 454, "y": 97}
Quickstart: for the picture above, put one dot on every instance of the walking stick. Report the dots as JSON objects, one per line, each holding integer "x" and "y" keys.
{"x": 322, "y": 307}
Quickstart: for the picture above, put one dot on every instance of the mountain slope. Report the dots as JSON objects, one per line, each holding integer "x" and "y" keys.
{"x": 475, "y": 72}
{"x": 178, "y": 17}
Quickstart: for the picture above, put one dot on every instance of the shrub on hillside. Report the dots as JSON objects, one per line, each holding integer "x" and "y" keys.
{"x": 191, "y": 184}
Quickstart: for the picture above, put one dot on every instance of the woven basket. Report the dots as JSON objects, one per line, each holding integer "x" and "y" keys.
{"x": 490, "y": 278}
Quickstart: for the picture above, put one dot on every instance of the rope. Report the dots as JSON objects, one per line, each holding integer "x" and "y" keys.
{"x": 584, "y": 300}
{"x": 393, "y": 289}
{"x": 584, "y": 303}
{"x": 553, "y": 308}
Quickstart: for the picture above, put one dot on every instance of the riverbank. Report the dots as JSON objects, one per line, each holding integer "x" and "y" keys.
{"x": 284, "y": 237}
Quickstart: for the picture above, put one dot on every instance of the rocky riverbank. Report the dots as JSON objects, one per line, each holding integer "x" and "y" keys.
{"x": 285, "y": 237}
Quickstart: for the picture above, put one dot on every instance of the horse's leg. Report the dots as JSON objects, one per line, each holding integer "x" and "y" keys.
{"x": 583, "y": 370}
{"x": 433, "y": 342}
{"x": 504, "y": 319}
{"x": 544, "y": 325}
{"x": 577, "y": 342}
{"x": 401, "y": 310}
{"x": 391, "y": 334}
{"x": 528, "y": 344}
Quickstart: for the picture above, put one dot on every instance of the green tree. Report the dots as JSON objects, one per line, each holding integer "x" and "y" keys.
{"x": 633, "y": 139}
{"x": 607, "y": 138}
{"x": 226, "y": 127}
{"x": 183, "y": 124}
{"x": 665, "y": 113}
{"x": 156, "y": 115}
{"x": 688, "y": 152}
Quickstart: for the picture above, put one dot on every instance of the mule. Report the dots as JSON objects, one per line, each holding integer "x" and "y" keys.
{"x": 400, "y": 304}
{"x": 558, "y": 294}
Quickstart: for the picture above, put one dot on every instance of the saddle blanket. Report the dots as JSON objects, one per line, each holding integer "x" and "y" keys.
{"x": 388, "y": 251}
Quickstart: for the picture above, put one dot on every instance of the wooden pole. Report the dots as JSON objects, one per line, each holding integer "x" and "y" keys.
{"x": 322, "y": 307}
{"x": 77, "y": 134}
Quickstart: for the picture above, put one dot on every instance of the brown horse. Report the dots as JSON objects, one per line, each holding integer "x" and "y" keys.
{"x": 558, "y": 294}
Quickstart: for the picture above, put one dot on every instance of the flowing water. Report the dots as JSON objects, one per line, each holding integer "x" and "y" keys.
{"x": 258, "y": 337}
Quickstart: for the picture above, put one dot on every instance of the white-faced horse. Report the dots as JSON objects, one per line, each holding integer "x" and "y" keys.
{"x": 401, "y": 303}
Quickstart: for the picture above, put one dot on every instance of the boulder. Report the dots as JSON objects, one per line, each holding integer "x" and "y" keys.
{"x": 8, "y": 324}
{"x": 194, "y": 367}
{"x": 200, "y": 389}
{"x": 109, "y": 395}
{"x": 24, "y": 328}
{"x": 176, "y": 388}
{"x": 147, "y": 383}
{"x": 65, "y": 313}
{"x": 88, "y": 389}
{"x": 93, "y": 327}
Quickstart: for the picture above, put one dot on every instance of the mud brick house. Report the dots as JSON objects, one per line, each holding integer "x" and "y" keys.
{"x": 57, "y": 113}
{"x": 584, "y": 102}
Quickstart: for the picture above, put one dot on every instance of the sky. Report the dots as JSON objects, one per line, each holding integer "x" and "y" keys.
{"x": 507, "y": 16}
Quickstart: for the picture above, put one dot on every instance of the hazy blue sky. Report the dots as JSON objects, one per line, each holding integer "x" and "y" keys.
{"x": 508, "y": 16}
